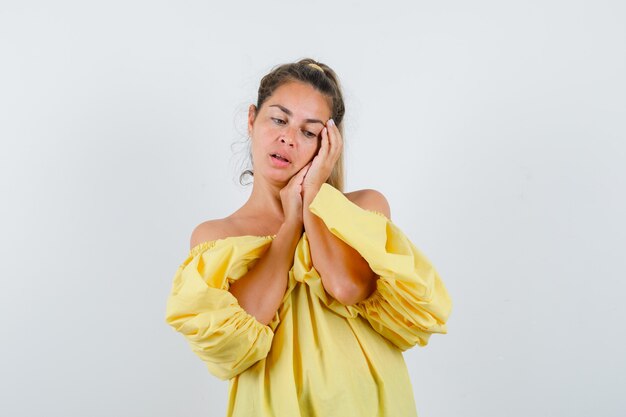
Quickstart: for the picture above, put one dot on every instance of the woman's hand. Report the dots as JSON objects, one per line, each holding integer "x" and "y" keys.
{"x": 291, "y": 197}
{"x": 323, "y": 163}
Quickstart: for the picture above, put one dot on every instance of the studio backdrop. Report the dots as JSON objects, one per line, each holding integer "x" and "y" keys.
{"x": 495, "y": 130}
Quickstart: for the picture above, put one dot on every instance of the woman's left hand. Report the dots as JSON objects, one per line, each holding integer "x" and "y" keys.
{"x": 324, "y": 162}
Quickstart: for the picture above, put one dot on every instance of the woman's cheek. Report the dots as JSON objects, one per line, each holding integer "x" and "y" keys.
{"x": 315, "y": 151}
{"x": 318, "y": 145}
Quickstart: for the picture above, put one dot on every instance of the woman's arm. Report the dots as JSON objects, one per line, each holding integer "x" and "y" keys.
{"x": 411, "y": 301}
{"x": 346, "y": 276}
{"x": 200, "y": 307}
{"x": 262, "y": 289}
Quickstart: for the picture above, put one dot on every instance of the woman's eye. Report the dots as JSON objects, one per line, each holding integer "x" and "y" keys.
{"x": 309, "y": 134}
{"x": 278, "y": 121}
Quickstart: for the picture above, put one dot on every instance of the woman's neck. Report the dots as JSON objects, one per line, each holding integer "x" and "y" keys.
{"x": 265, "y": 201}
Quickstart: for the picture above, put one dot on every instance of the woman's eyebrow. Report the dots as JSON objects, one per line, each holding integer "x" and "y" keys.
{"x": 289, "y": 113}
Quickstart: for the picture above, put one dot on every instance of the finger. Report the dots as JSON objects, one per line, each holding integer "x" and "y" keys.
{"x": 299, "y": 176}
{"x": 336, "y": 144}
{"x": 330, "y": 133}
{"x": 336, "y": 141}
{"x": 325, "y": 143}
{"x": 295, "y": 178}
{"x": 304, "y": 170}
{"x": 303, "y": 176}
{"x": 339, "y": 139}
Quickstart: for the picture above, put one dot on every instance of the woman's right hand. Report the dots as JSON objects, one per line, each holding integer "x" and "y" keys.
{"x": 291, "y": 197}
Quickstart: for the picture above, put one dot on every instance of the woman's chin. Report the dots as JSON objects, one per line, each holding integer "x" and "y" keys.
{"x": 276, "y": 176}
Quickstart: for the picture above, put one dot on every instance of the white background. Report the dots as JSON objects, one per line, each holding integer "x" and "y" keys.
{"x": 496, "y": 130}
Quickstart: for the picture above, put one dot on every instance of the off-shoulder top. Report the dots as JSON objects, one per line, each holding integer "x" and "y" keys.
{"x": 317, "y": 357}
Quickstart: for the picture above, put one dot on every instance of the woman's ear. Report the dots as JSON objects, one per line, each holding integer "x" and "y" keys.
{"x": 251, "y": 117}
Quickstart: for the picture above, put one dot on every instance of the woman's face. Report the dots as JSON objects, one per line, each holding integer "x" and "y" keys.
{"x": 286, "y": 132}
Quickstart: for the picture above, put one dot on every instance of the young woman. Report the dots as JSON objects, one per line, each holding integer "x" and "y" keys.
{"x": 306, "y": 297}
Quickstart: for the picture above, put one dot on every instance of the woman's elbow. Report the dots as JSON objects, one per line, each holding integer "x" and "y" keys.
{"x": 351, "y": 290}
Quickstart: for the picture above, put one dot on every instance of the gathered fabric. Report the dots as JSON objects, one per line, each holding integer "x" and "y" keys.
{"x": 317, "y": 357}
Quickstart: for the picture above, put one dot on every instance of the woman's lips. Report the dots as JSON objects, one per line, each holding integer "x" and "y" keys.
{"x": 279, "y": 162}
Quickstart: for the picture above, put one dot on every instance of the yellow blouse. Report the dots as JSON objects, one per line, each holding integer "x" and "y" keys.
{"x": 317, "y": 357}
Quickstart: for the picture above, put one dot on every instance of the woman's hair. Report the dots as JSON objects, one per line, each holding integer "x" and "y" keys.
{"x": 326, "y": 82}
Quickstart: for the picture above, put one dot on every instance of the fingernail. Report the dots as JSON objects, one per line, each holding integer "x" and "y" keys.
{"x": 331, "y": 122}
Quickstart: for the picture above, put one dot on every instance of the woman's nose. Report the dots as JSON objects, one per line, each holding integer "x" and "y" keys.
{"x": 288, "y": 138}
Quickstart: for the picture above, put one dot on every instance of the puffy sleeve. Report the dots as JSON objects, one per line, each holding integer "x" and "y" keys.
{"x": 410, "y": 301}
{"x": 200, "y": 307}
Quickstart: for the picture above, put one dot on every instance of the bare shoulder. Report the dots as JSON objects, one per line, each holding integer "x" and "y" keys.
{"x": 370, "y": 199}
{"x": 211, "y": 230}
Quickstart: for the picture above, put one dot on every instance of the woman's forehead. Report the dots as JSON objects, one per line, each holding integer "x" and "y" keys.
{"x": 301, "y": 99}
